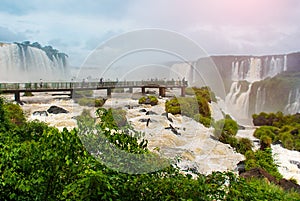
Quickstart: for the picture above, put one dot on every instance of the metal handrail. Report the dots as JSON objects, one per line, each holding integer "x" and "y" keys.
{"x": 74, "y": 85}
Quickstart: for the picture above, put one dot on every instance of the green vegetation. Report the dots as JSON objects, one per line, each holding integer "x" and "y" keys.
{"x": 85, "y": 98}
{"x": 226, "y": 130}
{"x": 39, "y": 162}
{"x": 277, "y": 90}
{"x": 91, "y": 102}
{"x": 196, "y": 107}
{"x": 204, "y": 92}
{"x": 278, "y": 127}
{"x": 150, "y": 100}
{"x": 264, "y": 160}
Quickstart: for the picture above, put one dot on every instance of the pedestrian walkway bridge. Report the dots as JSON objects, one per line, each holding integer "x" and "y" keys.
{"x": 17, "y": 88}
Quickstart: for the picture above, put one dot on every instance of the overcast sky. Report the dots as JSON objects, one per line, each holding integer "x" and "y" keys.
{"x": 76, "y": 27}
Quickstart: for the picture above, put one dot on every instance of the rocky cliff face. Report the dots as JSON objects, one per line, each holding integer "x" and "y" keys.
{"x": 254, "y": 84}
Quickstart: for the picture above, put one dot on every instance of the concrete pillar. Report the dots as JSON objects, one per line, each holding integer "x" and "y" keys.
{"x": 162, "y": 91}
{"x": 131, "y": 90}
{"x": 109, "y": 92}
{"x": 17, "y": 96}
{"x": 183, "y": 91}
{"x": 71, "y": 93}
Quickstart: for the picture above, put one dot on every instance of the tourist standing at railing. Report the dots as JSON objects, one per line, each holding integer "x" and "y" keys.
{"x": 41, "y": 83}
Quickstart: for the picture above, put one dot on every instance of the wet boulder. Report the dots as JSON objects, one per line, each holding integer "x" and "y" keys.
{"x": 56, "y": 110}
{"x": 40, "y": 113}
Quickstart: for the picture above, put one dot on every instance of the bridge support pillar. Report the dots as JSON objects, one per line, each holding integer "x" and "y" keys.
{"x": 109, "y": 92}
{"x": 72, "y": 94}
{"x": 17, "y": 96}
{"x": 183, "y": 91}
{"x": 143, "y": 90}
{"x": 162, "y": 91}
{"x": 131, "y": 90}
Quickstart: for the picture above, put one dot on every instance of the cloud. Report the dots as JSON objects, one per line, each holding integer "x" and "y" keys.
{"x": 7, "y": 35}
{"x": 220, "y": 27}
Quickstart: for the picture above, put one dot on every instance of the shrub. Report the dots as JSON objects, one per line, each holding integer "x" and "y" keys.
{"x": 207, "y": 122}
{"x": 225, "y": 130}
{"x": 266, "y": 130}
{"x": 265, "y": 142}
{"x": 204, "y": 92}
{"x": 285, "y": 128}
{"x": 188, "y": 106}
{"x": 226, "y": 127}
{"x": 91, "y": 102}
{"x": 119, "y": 117}
{"x": 262, "y": 159}
{"x": 150, "y": 100}
{"x": 14, "y": 113}
{"x": 244, "y": 145}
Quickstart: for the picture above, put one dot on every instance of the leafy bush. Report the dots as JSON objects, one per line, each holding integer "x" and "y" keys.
{"x": 265, "y": 142}
{"x": 204, "y": 92}
{"x": 266, "y": 130}
{"x": 244, "y": 145}
{"x": 188, "y": 106}
{"x": 226, "y": 129}
{"x": 264, "y": 160}
{"x": 39, "y": 162}
{"x": 150, "y": 100}
{"x": 14, "y": 113}
{"x": 91, "y": 102}
{"x": 288, "y": 134}
{"x": 207, "y": 122}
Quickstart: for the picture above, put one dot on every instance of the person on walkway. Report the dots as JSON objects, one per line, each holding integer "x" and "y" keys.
{"x": 41, "y": 83}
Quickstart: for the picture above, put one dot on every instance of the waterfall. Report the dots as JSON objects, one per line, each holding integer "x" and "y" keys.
{"x": 256, "y": 68}
{"x": 183, "y": 70}
{"x": 254, "y": 71}
{"x": 293, "y": 105}
{"x": 24, "y": 63}
{"x": 285, "y": 63}
{"x": 249, "y": 70}
{"x": 260, "y": 99}
{"x": 238, "y": 100}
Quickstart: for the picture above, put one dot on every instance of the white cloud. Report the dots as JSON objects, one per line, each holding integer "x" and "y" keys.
{"x": 220, "y": 27}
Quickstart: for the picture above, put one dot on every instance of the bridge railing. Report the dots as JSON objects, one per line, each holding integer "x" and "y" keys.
{"x": 74, "y": 85}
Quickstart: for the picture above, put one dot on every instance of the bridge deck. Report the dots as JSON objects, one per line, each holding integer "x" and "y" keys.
{"x": 17, "y": 88}
{"x": 48, "y": 86}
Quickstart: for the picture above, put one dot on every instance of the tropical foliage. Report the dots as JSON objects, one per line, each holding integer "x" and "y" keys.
{"x": 150, "y": 100}
{"x": 39, "y": 162}
{"x": 225, "y": 131}
{"x": 279, "y": 128}
{"x": 195, "y": 106}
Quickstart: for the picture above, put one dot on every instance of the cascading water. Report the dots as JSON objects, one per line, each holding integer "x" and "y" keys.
{"x": 25, "y": 63}
{"x": 293, "y": 105}
{"x": 238, "y": 100}
{"x": 248, "y": 71}
{"x": 260, "y": 99}
{"x": 183, "y": 70}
